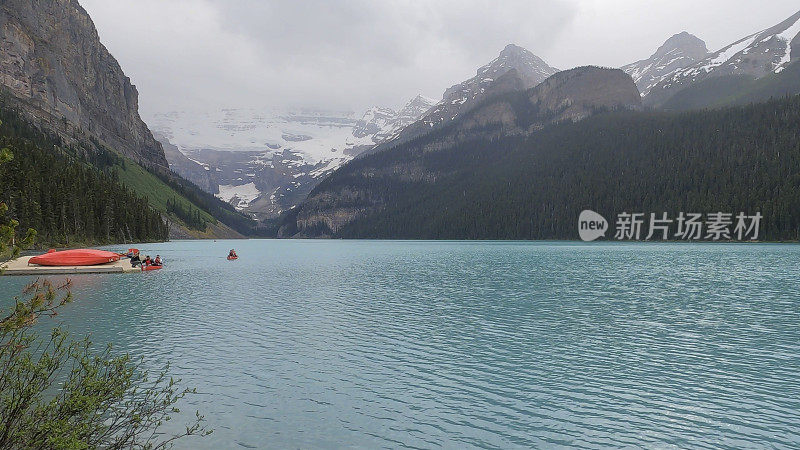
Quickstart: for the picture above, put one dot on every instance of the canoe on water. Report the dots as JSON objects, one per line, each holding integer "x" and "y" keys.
{"x": 151, "y": 267}
{"x": 231, "y": 258}
{"x": 77, "y": 257}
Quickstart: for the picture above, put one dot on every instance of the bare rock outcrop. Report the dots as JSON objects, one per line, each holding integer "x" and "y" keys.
{"x": 54, "y": 68}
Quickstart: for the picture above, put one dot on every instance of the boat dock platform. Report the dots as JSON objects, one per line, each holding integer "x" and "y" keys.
{"x": 20, "y": 266}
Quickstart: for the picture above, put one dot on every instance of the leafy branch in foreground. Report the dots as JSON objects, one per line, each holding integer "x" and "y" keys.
{"x": 57, "y": 393}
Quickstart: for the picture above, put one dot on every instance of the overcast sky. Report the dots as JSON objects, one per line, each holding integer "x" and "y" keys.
{"x": 351, "y": 54}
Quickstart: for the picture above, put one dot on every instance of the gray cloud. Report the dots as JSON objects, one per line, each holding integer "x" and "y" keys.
{"x": 349, "y": 54}
{"x": 360, "y": 52}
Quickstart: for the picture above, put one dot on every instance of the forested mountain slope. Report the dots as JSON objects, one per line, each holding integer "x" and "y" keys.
{"x": 56, "y": 191}
{"x": 55, "y": 187}
{"x": 534, "y": 187}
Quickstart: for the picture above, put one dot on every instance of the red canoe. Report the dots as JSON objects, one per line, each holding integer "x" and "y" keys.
{"x": 78, "y": 257}
{"x": 150, "y": 267}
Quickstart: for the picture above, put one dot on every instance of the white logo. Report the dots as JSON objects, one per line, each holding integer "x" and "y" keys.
{"x": 716, "y": 226}
{"x": 591, "y": 225}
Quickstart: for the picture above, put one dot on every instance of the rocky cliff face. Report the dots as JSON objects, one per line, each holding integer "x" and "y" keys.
{"x": 575, "y": 94}
{"x": 198, "y": 173}
{"x": 571, "y": 95}
{"x": 55, "y": 69}
{"x": 678, "y": 52}
{"x": 360, "y": 188}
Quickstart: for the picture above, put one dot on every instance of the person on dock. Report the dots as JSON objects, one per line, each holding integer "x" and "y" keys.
{"x": 135, "y": 260}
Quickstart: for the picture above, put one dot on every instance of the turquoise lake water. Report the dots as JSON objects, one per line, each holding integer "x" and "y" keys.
{"x": 372, "y": 344}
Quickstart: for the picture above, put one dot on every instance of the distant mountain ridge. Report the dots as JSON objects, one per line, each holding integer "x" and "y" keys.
{"x": 717, "y": 92}
{"x": 198, "y": 173}
{"x": 755, "y": 56}
{"x": 281, "y": 155}
{"x": 531, "y": 69}
{"x": 567, "y": 96}
{"x": 64, "y": 79}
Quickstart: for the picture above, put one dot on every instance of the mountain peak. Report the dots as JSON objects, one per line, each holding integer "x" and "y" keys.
{"x": 413, "y": 110}
{"x": 680, "y": 51}
{"x": 420, "y": 101}
{"x": 514, "y": 49}
{"x": 532, "y": 69}
{"x": 687, "y": 43}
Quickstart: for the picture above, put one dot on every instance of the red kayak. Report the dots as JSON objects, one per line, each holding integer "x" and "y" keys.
{"x": 231, "y": 258}
{"x": 151, "y": 267}
{"x": 77, "y": 257}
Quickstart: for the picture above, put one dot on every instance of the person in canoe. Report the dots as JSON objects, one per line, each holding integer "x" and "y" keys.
{"x": 232, "y": 254}
{"x": 147, "y": 261}
{"x": 157, "y": 261}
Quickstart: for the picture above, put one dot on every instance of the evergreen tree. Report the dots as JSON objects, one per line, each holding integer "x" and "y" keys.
{"x": 65, "y": 198}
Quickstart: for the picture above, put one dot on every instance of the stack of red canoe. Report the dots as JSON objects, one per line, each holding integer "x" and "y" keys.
{"x": 78, "y": 257}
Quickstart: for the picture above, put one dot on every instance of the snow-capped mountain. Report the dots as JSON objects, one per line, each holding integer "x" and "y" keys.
{"x": 759, "y": 54}
{"x": 678, "y": 52}
{"x": 263, "y": 183}
{"x": 382, "y": 124}
{"x": 241, "y": 155}
{"x": 373, "y": 121}
{"x": 265, "y": 161}
{"x": 528, "y": 69}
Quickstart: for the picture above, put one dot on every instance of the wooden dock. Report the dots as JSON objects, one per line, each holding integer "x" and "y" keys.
{"x": 20, "y": 266}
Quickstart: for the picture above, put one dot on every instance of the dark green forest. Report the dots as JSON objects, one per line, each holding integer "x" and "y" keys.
{"x": 730, "y": 160}
{"x": 192, "y": 217}
{"x": 59, "y": 191}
